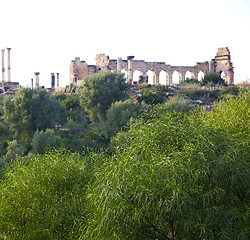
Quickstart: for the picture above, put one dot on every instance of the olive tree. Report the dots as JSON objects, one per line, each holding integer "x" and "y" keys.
{"x": 29, "y": 110}
{"x": 100, "y": 90}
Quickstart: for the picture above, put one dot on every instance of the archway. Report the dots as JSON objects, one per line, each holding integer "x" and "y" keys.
{"x": 150, "y": 75}
{"x": 176, "y": 77}
{"x": 200, "y": 76}
{"x": 163, "y": 78}
{"x": 125, "y": 74}
{"x": 189, "y": 75}
{"x": 136, "y": 75}
{"x": 222, "y": 75}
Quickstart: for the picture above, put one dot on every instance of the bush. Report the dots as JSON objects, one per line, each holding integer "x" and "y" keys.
{"x": 44, "y": 198}
{"x": 212, "y": 78}
{"x": 178, "y": 104}
{"x": 44, "y": 139}
{"x": 14, "y": 151}
{"x": 119, "y": 114}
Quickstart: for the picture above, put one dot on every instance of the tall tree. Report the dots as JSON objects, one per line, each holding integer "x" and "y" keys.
{"x": 29, "y": 110}
{"x": 100, "y": 90}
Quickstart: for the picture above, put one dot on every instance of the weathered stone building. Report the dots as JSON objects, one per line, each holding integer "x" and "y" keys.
{"x": 221, "y": 63}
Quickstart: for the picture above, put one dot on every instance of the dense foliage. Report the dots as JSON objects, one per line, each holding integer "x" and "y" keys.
{"x": 177, "y": 172}
{"x": 44, "y": 198}
{"x": 43, "y": 139}
{"x": 212, "y": 78}
{"x": 29, "y": 110}
{"x": 100, "y": 90}
{"x": 177, "y": 176}
{"x": 119, "y": 114}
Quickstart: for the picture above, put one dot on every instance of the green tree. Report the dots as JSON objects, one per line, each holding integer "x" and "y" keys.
{"x": 14, "y": 151}
{"x": 72, "y": 107}
{"x": 212, "y": 78}
{"x": 44, "y": 139}
{"x": 177, "y": 176}
{"x": 119, "y": 114}
{"x": 100, "y": 90}
{"x": 29, "y": 110}
{"x": 45, "y": 198}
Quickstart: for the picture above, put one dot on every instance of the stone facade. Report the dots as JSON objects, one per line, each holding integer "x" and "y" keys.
{"x": 221, "y": 63}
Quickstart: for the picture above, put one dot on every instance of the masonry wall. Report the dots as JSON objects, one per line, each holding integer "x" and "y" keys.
{"x": 221, "y": 63}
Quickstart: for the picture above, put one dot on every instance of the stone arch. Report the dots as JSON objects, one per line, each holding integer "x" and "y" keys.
{"x": 151, "y": 77}
{"x": 222, "y": 75}
{"x": 164, "y": 78}
{"x": 201, "y": 75}
{"x": 189, "y": 74}
{"x": 176, "y": 77}
{"x": 136, "y": 75}
{"x": 125, "y": 72}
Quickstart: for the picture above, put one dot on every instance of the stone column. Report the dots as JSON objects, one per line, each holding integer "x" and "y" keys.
{"x": 130, "y": 69}
{"x": 170, "y": 75}
{"x": 119, "y": 64}
{"x": 3, "y": 68}
{"x": 157, "y": 78}
{"x": 36, "y": 79}
{"x": 57, "y": 75}
{"x": 52, "y": 80}
{"x": 8, "y": 49}
{"x": 211, "y": 66}
{"x": 181, "y": 77}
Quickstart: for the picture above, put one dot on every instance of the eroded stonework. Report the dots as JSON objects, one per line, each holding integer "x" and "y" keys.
{"x": 221, "y": 63}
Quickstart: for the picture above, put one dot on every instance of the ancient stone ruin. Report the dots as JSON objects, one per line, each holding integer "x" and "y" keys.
{"x": 221, "y": 64}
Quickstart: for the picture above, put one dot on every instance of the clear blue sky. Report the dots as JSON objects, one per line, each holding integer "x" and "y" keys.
{"x": 46, "y": 35}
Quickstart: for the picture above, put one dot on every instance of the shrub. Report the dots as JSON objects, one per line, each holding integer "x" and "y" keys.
{"x": 44, "y": 198}
{"x": 44, "y": 139}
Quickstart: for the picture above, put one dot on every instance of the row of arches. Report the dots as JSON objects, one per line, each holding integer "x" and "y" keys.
{"x": 164, "y": 76}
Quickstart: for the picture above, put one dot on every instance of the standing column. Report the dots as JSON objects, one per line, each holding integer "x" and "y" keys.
{"x": 119, "y": 64}
{"x": 157, "y": 78}
{"x": 8, "y": 49}
{"x": 52, "y": 80}
{"x": 57, "y": 75}
{"x": 36, "y": 79}
{"x": 3, "y": 68}
{"x": 130, "y": 69}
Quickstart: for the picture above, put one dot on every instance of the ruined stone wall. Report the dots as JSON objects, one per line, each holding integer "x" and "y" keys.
{"x": 80, "y": 69}
{"x": 221, "y": 63}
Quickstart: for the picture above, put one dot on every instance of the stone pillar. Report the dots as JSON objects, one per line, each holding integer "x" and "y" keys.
{"x": 9, "y": 79}
{"x": 229, "y": 76}
{"x": 157, "y": 78}
{"x": 211, "y": 66}
{"x": 3, "y": 68}
{"x": 170, "y": 80}
{"x": 130, "y": 69}
{"x": 52, "y": 80}
{"x": 36, "y": 79}
{"x": 181, "y": 77}
{"x": 57, "y": 75}
{"x": 119, "y": 64}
